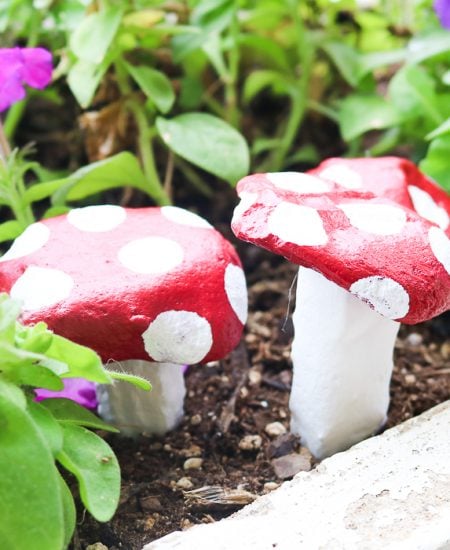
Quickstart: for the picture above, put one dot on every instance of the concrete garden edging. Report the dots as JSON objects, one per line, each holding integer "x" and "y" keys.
{"x": 391, "y": 491}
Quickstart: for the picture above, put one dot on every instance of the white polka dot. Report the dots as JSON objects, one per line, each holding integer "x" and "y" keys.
{"x": 41, "y": 287}
{"x": 96, "y": 219}
{"x": 298, "y": 182}
{"x": 247, "y": 200}
{"x": 184, "y": 217}
{"x": 440, "y": 245}
{"x": 385, "y": 295}
{"x": 297, "y": 224}
{"x": 182, "y": 337}
{"x": 427, "y": 208}
{"x": 379, "y": 219}
{"x": 151, "y": 255}
{"x": 342, "y": 175}
{"x": 32, "y": 239}
{"x": 236, "y": 291}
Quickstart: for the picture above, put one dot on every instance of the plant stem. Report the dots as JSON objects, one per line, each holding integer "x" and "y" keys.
{"x": 145, "y": 137}
{"x": 5, "y": 149}
{"x": 233, "y": 73}
{"x": 305, "y": 53}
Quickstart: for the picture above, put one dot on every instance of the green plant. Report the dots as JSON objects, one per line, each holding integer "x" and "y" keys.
{"x": 37, "y": 440}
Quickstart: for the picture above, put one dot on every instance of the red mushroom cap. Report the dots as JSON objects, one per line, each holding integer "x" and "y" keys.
{"x": 380, "y": 251}
{"x": 394, "y": 178}
{"x": 149, "y": 283}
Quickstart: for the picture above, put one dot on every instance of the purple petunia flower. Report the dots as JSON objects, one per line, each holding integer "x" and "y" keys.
{"x": 19, "y": 66}
{"x": 77, "y": 389}
{"x": 442, "y": 9}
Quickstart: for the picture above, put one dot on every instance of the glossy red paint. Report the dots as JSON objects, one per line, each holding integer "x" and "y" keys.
{"x": 351, "y": 254}
{"x": 110, "y": 306}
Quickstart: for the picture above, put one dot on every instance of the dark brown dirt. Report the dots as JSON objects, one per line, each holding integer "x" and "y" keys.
{"x": 238, "y": 397}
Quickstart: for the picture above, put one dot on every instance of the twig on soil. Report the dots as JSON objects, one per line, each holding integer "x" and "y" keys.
{"x": 228, "y": 412}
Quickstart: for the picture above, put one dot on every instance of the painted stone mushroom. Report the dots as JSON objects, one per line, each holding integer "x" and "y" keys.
{"x": 394, "y": 178}
{"x": 149, "y": 289}
{"x": 366, "y": 264}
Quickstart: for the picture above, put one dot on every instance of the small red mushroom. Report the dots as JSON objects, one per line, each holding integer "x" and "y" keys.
{"x": 367, "y": 263}
{"x": 149, "y": 288}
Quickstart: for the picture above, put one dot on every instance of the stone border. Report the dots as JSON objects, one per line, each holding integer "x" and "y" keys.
{"x": 391, "y": 492}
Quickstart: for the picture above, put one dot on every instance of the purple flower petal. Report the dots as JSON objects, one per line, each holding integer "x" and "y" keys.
{"x": 442, "y": 9}
{"x": 77, "y": 389}
{"x": 19, "y": 66}
{"x": 37, "y": 67}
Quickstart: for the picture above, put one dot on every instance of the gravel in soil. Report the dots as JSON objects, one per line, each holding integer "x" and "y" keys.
{"x": 233, "y": 443}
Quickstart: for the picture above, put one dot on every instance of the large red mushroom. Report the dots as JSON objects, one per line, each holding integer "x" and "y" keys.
{"x": 149, "y": 289}
{"x": 367, "y": 263}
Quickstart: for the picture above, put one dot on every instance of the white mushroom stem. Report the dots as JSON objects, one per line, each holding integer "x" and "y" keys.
{"x": 135, "y": 411}
{"x": 342, "y": 357}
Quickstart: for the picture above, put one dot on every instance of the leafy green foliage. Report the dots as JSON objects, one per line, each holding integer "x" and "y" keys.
{"x": 37, "y": 507}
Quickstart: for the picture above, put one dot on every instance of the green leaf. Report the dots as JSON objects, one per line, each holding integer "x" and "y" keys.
{"x": 36, "y": 376}
{"x": 94, "y": 34}
{"x": 258, "y": 80}
{"x": 268, "y": 50}
{"x": 69, "y": 512}
{"x": 9, "y": 312}
{"x": 412, "y": 92}
{"x": 138, "y": 381}
{"x": 10, "y": 230}
{"x": 13, "y": 394}
{"x": 30, "y": 492}
{"x": 117, "y": 171}
{"x": 354, "y": 66}
{"x": 95, "y": 466}
{"x": 83, "y": 79}
{"x": 213, "y": 15}
{"x": 36, "y": 338}
{"x": 67, "y": 411}
{"x": 207, "y": 142}
{"x": 435, "y": 164}
{"x": 50, "y": 429}
{"x": 155, "y": 85}
{"x": 442, "y": 129}
{"x": 40, "y": 191}
{"x": 358, "y": 114}
{"x": 424, "y": 47}
{"x": 82, "y": 361}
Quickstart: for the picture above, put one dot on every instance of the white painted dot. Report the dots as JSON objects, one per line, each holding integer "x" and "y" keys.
{"x": 385, "y": 295}
{"x": 297, "y": 224}
{"x": 236, "y": 291}
{"x": 97, "y": 219}
{"x": 440, "y": 245}
{"x": 247, "y": 200}
{"x": 182, "y": 337}
{"x": 379, "y": 219}
{"x": 298, "y": 182}
{"x": 151, "y": 255}
{"x": 41, "y": 287}
{"x": 184, "y": 217}
{"x": 342, "y": 175}
{"x": 426, "y": 207}
{"x": 32, "y": 239}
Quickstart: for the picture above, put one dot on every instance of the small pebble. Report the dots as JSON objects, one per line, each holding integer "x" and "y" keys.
{"x": 167, "y": 448}
{"x": 192, "y": 451}
{"x": 243, "y": 392}
{"x": 289, "y": 465}
{"x": 410, "y": 379}
{"x": 196, "y": 419}
{"x": 193, "y": 464}
{"x": 184, "y": 483}
{"x": 414, "y": 339}
{"x": 250, "y": 443}
{"x": 151, "y": 504}
{"x": 254, "y": 377}
{"x": 97, "y": 546}
{"x": 270, "y": 486}
{"x": 274, "y": 429}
